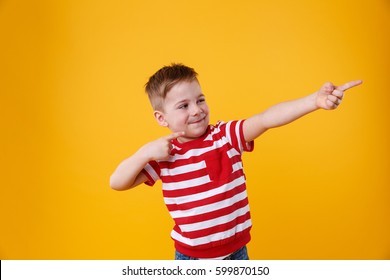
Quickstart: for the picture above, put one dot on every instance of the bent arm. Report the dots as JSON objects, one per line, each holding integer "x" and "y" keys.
{"x": 128, "y": 173}
{"x": 279, "y": 115}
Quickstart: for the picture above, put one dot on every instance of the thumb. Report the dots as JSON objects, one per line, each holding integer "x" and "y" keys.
{"x": 174, "y": 135}
{"x": 327, "y": 87}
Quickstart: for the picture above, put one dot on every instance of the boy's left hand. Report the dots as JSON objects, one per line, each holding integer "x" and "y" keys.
{"x": 329, "y": 96}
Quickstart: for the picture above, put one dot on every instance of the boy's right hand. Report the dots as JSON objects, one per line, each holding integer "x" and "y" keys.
{"x": 160, "y": 149}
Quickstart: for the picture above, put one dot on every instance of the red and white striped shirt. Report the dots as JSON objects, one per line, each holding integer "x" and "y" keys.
{"x": 204, "y": 189}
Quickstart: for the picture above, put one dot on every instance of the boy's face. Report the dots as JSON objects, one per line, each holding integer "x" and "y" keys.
{"x": 185, "y": 109}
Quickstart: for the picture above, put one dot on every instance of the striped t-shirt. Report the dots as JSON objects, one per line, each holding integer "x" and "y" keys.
{"x": 204, "y": 189}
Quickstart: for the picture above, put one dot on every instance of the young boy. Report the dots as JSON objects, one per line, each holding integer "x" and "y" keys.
{"x": 200, "y": 164}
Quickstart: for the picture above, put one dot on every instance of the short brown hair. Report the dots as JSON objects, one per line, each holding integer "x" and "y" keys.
{"x": 164, "y": 79}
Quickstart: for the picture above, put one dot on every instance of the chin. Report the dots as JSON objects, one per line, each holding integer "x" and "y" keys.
{"x": 198, "y": 133}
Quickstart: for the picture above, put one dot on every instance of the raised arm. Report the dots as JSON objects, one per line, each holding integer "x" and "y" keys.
{"x": 128, "y": 173}
{"x": 328, "y": 97}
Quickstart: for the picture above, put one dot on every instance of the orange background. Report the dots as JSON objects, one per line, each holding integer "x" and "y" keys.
{"x": 73, "y": 106}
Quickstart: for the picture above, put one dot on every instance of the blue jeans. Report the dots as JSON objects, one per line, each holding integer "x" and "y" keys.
{"x": 241, "y": 254}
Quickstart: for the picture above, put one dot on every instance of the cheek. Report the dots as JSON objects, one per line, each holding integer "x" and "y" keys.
{"x": 180, "y": 118}
{"x": 206, "y": 110}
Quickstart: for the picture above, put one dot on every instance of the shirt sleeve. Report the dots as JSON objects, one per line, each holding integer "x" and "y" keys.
{"x": 234, "y": 132}
{"x": 151, "y": 171}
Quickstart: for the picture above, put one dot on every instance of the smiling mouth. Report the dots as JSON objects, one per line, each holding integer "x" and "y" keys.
{"x": 198, "y": 121}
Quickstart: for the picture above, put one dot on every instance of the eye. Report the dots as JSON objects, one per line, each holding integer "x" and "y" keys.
{"x": 183, "y": 106}
{"x": 201, "y": 100}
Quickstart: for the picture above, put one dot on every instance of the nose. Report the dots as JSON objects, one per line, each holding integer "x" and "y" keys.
{"x": 196, "y": 110}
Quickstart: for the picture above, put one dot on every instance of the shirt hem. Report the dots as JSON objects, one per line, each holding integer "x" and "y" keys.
{"x": 215, "y": 252}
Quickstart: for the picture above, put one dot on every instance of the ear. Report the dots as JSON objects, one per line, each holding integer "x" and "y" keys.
{"x": 160, "y": 118}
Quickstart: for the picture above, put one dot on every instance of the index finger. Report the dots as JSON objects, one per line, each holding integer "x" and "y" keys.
{"x": 174, "y": 135}
{"x": 349, "y": 85}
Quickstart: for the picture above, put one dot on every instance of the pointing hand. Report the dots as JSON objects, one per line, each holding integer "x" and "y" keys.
{"x": 161, "y": 148}
{"x": 330, "y": 96}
